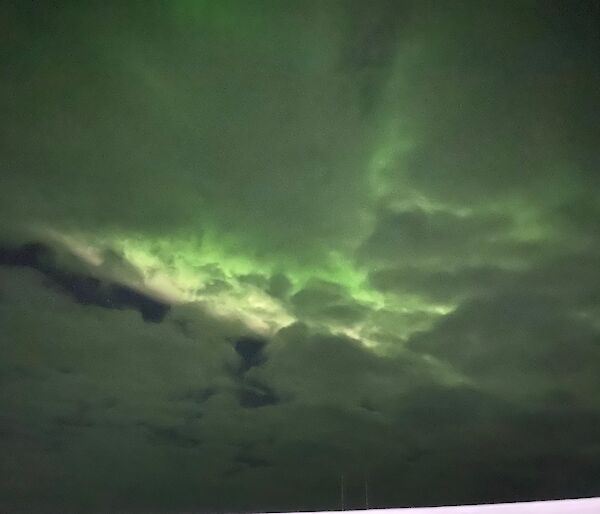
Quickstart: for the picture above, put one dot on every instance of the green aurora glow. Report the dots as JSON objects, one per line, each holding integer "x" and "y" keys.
{"x": 398, "y": 200}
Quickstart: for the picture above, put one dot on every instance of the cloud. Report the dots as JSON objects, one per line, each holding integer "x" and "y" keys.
{"x": 85, "y": 289}
{"x": 442, "y": 285}
{"x": 274, "y": 244}
{"x": 431, "y": 237}
{"x": 327, "y": 301}
{"x": 156, "y": 154}
{"x": 251, "y": 352}
{"x": 158, "y": 402}
{"x": 519, "y": 344}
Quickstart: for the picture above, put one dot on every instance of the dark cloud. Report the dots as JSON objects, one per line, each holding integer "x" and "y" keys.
{"x": 123, "y": 111}
{"x": 324, "y": 369}
{"x": 254, "y": 395}
{"x": 279, "y": 285}
{"x": 433, "y": 236}
{"x": 495, "y": 115}
{"x": 79, "y": 416}
{"x": 442, "y": 285}
{"x": 327, "y": 301}
{"x": 519, "y": 343}
{"x": 172, "y": 436}
{"x": 199, "y": 395}
{"x": 246, "y": 435}
{"x": 85, "y": 289}
{"x": 251, "y": 351}
{"x": 30, "y": 255}
{"x": 252, "y": 462}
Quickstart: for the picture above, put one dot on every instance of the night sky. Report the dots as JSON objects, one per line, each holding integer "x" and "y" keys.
{"x": 250, "y": 247}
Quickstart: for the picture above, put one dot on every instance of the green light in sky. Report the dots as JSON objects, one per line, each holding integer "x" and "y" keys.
{"x": 184, "y": 269}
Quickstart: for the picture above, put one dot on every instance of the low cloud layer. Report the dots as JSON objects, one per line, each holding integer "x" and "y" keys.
{"x": 248, "y": 248}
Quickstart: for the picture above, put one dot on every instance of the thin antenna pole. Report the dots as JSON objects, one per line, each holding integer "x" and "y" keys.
{"x": 342, "y": 492}
{"x": 366, "y": 494}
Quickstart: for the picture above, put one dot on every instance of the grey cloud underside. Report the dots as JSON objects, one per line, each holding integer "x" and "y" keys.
{"x": 83, "y": 288}
{"x": 252, "y": 393}
{"x": 320, "y": 300}
{"x": 167, "y": 409}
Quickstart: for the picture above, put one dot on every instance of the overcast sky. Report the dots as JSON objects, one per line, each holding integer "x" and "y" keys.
{"x": 248, "y": 247}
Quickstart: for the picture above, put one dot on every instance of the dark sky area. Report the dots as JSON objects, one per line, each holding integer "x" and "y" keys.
{"x": 250, "y": 246}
